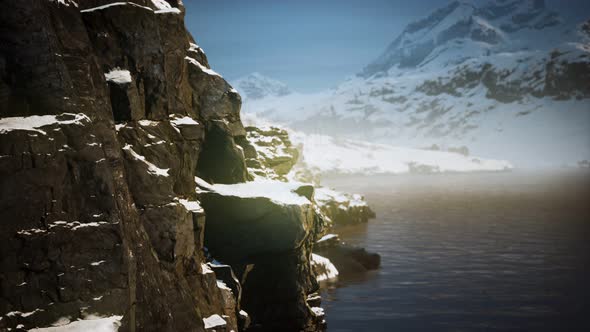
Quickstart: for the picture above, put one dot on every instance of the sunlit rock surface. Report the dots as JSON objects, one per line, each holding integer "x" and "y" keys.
{"x": 271, "y": 155}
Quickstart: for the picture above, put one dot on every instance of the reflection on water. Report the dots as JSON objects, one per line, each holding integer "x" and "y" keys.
{"x": 476, "y": 252}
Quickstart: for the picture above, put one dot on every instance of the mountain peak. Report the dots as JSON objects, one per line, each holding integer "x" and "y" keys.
{"x": 459, "y": 8}
{"x": 484, "y": 27}
{"x": 258, "y": 86}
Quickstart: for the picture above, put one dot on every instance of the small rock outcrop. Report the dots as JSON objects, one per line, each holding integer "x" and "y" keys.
{"x": 342, "y": 208}
{"x": 266, "y": 231}
{"x": 349, "y": 261}
{"x": 271, "y": 155}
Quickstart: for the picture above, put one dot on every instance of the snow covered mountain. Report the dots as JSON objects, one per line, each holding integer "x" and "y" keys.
{"x": 257, "y": 86}
{"x": 506, "y": 80}
{"x": 486, "y": 29}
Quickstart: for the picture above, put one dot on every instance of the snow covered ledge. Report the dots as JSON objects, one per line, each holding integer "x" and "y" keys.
{"x": 271, "y": 225}
{"x": 36, "y": 122}
{"x": 91, "y": 323}
{"x": 284, "y": 193}
{"x": 256, "y": 217}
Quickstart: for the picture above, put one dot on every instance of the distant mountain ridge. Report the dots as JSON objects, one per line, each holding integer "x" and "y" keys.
{"x": 257, "y": 86}
{"x": 488, "y": 25}
{"x": 504, "y": 74}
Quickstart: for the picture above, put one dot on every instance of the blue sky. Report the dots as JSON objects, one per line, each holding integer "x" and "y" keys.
{"x": 308, "y": 44}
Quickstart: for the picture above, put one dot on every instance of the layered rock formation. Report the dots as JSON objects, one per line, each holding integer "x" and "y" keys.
{"x": 108, "y": 112}
{"x": 270, "y": 154}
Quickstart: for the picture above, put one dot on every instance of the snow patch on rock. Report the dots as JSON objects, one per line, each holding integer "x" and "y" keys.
{"x": 152, "y": 169}
{"x": 195, "y": 48}
{"x": 204, "y": 69}
{"x": 214, "y": 321}
{"x": 113, "y": 4}
{"x": 193, "y": 206}
{"x": 327, "y": 270}
{"x": 90, "y": 323}
{"x": 205, "y": 269}
{"x": 34, "y": 122}
{"x": 118, "y": 76}
{"x": 276, "y": 191}
{"x": 163, "y": 7}
{"x": 66, "y": 3}
{"x": 222, "y": 285}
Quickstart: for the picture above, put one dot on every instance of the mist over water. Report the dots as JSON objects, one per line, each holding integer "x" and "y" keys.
{"x": 469, "y": 252}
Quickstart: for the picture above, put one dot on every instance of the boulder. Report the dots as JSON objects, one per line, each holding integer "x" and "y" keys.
{"x": 342, "y": 208}
{"x": 271, "y": 215}
{"x": 350, "y": 260}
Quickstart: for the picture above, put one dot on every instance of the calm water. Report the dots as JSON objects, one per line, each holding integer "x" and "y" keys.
{"x": 478, "y": 252}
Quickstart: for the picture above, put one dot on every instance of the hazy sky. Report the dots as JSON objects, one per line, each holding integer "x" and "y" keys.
{"x": 308, "y": 44}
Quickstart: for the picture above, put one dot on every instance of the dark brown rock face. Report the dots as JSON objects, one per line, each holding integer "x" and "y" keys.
{"x": 105, "y": 116}
{"x": 108, "y": 112}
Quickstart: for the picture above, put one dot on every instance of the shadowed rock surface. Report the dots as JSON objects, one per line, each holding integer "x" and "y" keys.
{"x": 275, "y": 238}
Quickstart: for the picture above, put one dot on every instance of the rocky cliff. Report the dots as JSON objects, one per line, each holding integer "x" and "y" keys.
{"x": 271, "y": 155}
{"x": 109, "y": 112}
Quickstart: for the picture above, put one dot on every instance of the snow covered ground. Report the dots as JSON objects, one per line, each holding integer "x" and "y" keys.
{"x": 533, "y": 132}
{"x": 326, "y": 154}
